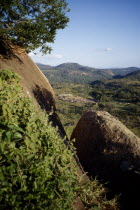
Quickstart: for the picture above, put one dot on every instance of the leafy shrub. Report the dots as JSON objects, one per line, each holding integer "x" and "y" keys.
{"x": 37, "y": 171}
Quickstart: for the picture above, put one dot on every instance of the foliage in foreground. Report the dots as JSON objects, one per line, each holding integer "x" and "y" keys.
{"x": 32, "y": 24}
{"x": 37, "y": 171}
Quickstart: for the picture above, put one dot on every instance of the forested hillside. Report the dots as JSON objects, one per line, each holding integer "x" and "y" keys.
{"x": 124, "y": 71}
{"x": 120, "y": 97}
{"x": 76, "y": 73}
{"x": 133, "y": 75}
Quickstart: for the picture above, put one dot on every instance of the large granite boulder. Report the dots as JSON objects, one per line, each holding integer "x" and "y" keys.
{"x": 109, "y": 150}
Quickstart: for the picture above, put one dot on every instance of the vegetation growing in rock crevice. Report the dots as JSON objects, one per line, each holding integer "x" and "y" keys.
{"x": 37, "y": 170}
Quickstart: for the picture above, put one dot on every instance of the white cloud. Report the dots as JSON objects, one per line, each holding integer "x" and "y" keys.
{"x": 101, "y": 50}
{"x": 108, "y": 49}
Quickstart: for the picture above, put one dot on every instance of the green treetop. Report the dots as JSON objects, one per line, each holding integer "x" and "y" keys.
{"x": 32, "y": 23}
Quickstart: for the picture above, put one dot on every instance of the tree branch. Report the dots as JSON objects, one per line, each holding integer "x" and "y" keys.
{"x": 17, "y": 22}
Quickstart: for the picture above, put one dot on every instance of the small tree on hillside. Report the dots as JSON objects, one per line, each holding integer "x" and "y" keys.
{"x": 32, "y": 23}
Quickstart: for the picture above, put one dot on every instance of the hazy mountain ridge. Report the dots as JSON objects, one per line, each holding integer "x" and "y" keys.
{"x": 76, "y": 73}
{"x": 66, "y": 66}
{"x": 44, "y": 66}
{"x": 133, "y": 75}
{"x": 76, "y": 66}
{"x": 124, "y": 71}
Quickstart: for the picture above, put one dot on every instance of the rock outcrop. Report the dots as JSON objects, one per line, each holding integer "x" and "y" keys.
{"x": 110, "y": 151}
{"x": 35, "y": 85}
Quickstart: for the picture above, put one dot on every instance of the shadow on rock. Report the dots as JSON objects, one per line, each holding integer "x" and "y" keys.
{"x": 111, "y": 152}
{"x": 46, "y": 101}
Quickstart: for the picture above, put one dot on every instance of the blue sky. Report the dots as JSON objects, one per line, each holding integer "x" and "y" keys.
{"x": 101, "y": 34}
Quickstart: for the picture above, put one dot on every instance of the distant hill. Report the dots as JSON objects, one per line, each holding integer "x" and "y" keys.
{"x": 126, "y": 88}
{"x": 133, "y": 75}
{"x": 74, "y": 66}
{"x": 123, "y": 71}
{"x": 76, "y": 73}
{"x": 43, "y": 66}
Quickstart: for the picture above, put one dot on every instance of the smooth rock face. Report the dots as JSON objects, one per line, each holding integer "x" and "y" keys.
{"x": 32, "y": 79}
{"x": 109, "y": 150}
{"x": 35, "y": 85}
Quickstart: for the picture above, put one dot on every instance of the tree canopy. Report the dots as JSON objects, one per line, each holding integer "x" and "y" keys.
{"x": 32, "y": 24}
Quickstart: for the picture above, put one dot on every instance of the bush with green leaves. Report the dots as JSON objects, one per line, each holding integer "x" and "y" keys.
{"x": 37, "y": 170}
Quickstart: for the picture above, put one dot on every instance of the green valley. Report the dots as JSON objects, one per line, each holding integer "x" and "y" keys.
{"x": 101, "y": 91}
